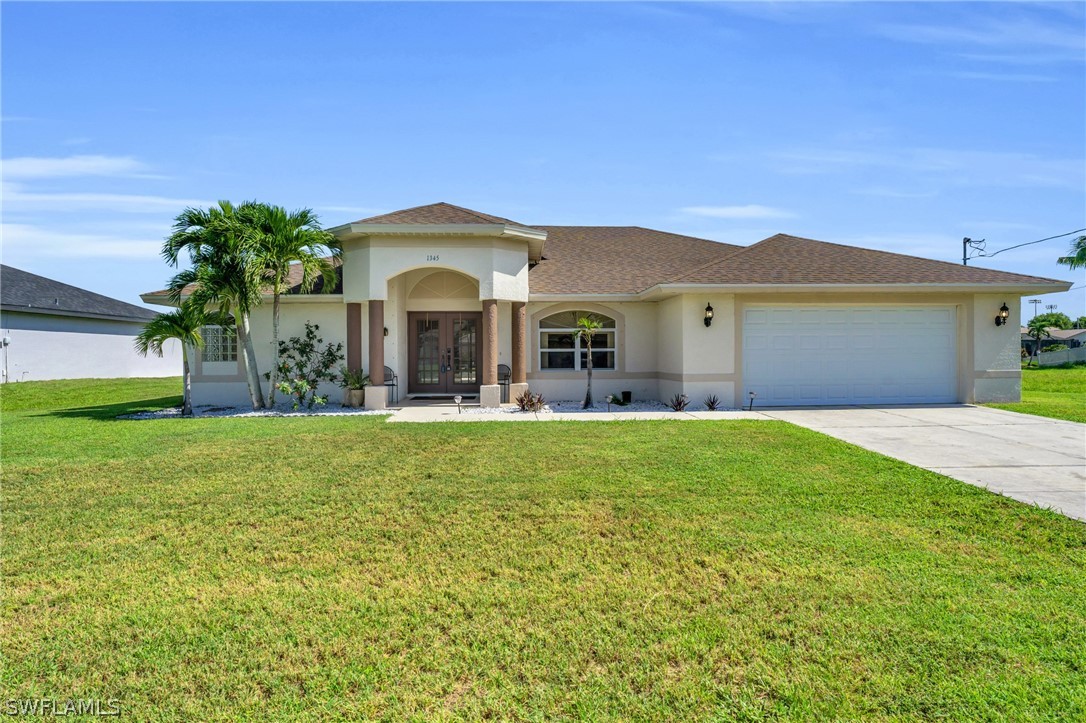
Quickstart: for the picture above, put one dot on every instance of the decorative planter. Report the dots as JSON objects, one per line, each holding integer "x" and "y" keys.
{"x": 354, "y": 397}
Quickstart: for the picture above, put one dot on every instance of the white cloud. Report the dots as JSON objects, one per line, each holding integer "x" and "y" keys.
{"x": 737, "y": 212}
{"x": 1004, "y": 77}
{"x": 16, "y": 200}
{"x": 25, "y": 240}
{"x": 883, "y": 192}
{"x": 34, "y": 167}
{"x": 992, "y": 32}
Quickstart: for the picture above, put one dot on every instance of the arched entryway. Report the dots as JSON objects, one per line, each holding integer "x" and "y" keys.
{"x": 444, "y": 334}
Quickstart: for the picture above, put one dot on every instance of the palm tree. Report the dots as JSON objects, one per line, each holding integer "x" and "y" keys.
{"x": 223, "y": 273}
{"x": 183, "y": 324}
{"x": 1077, "y": 257}
{"x": 587, "y": 326}
{"x": 283, "y": 241}
{"x": 1037, "y": 329}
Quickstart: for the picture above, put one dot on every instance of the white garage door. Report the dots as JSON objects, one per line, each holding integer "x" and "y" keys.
{"x": 804, "y": 355}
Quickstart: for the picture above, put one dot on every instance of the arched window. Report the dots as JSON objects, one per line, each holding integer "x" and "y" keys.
{"x": 562, "y": 349}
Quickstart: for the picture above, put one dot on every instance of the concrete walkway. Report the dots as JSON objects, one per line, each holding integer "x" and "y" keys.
{"x": 1032, "y": 459}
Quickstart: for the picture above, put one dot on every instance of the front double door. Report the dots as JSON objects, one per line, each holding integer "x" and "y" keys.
{"x": 445, "y": 348}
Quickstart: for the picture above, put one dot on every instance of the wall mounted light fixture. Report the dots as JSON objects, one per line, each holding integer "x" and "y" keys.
{"x": 708, "y": 314}
{"x": 1001, "y": 317}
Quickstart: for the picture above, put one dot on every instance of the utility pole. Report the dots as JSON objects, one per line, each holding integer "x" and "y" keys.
{"x": 969, "y": 244}
{"x": 1036, "y": 303}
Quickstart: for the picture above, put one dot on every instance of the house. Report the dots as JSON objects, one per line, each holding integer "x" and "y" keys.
{"x": 438, "y": 299}
{"x": 51, "y": 330}
{"x": 1071, "y": 338}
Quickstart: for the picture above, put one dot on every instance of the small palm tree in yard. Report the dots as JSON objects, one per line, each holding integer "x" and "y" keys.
{"x": 223, "y": 273}
{"x": 283, "y": 240}
{"x": 182, "y": 324}
{"x": 1037, "y": 329}
{"x": 587, "y": 326}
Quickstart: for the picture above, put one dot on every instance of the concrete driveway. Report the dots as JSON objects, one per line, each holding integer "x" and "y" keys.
{"x": 1033, "y": 459}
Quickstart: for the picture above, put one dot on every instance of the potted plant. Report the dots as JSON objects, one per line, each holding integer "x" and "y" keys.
{"x": 354, "y": 381}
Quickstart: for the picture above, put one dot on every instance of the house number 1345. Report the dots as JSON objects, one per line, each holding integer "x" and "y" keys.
{"x": 433, "y": 257}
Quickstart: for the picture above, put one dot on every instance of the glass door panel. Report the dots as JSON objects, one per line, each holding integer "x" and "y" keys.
{"x": 464, "y": 344}
{"x": 444, "y": 349}
{"x": 428, "y": 351}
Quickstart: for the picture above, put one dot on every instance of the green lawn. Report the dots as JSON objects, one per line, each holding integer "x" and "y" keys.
{"x": 316, "y": 568}
{"x": 1052, "y": 392}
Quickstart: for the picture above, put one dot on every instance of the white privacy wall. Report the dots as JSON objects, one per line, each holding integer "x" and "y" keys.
{"x": 45, "y": 346}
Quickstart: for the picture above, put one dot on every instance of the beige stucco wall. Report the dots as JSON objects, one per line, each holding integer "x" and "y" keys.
{"x": 499, "y": 265}
{"x": 997, "y": 356}
{"x": 664, "y": 347}
{"x": 669, "y": 342}
{"x": 224, "y": 383}
{"x": 708, "y": 353}
{"x": 636, "y": 358}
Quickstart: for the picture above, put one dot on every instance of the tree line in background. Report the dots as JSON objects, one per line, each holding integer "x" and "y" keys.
{"x": 1038, "y": 327}
{"x": 239, "y": 254}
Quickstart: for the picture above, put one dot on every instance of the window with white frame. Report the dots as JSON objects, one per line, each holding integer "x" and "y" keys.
{"x": 561, "y": 348}
{"x": 220, "y": 344}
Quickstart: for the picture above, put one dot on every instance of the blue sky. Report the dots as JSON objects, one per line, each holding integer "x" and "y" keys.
{"x": 898, "y": 126}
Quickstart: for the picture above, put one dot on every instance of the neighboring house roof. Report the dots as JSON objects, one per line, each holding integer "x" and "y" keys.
{"x": 784, "y": 259}
{"x": 437, "y": 214}
{"x": 29, "y": 293}
{"x": 617, "y": 259}
{"x": 1057, "y": 333}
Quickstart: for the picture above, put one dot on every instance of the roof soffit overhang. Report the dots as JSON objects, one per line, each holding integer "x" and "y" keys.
{"x": 534, "y": 238}
{"x": 661, "y": 291}
{"x": 665, "y": 291}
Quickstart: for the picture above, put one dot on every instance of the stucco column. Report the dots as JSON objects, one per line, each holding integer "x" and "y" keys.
{"x": 376, "y": 392}
{"x": 519, "y": 382}
{"x": 354, "y": 336}
{"x": 490, "y": 392}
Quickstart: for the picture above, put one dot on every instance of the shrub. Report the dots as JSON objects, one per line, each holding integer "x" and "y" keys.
{"x": 353, "y": 378}
{"x": 1054, "y": 347}
{"x": 712, "y": 402}
{"x": 679, "y": 402}
{"x": 303, "y": 365}
{"x": 528, "y": 402}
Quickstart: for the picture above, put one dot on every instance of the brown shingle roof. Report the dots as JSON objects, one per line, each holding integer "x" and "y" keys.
{"x": 294, "y": 279}
{"x": 784, "y": 259}
{"x": 616, "y": 259}
{"x": 437, "y": 213}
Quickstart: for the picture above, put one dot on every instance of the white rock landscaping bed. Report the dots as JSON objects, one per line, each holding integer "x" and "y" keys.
{"x": 328, "y": 410}
{"x": 573, "y": 407}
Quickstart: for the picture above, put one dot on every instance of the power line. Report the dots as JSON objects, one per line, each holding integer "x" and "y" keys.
{"x": 1029, "y": 243}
